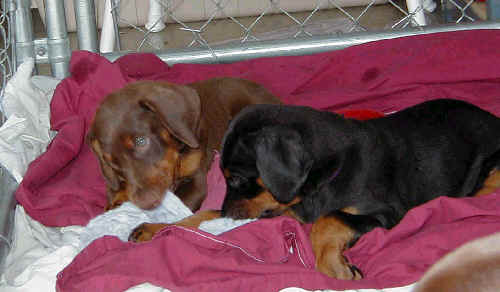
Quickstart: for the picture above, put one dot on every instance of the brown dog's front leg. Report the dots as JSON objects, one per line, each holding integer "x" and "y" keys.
{"x": 330, "y": 237}
{"x": 146, "y": 231}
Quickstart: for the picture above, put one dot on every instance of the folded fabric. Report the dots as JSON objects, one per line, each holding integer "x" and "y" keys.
{"x": 271, "y": 254}
{"x": 25, "y": 133}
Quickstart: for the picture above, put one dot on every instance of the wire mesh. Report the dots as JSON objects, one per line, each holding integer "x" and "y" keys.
{"x": 5, "y": 52}
{"x": 304, "y": 24}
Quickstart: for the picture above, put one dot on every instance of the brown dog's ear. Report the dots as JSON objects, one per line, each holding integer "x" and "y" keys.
{"x": 108, "y": 172}
{"x": 282, "y": 161}
{"x": 179, "y": 110}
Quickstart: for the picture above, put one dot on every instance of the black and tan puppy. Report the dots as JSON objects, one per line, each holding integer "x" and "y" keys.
{"x": 347, "y": 176}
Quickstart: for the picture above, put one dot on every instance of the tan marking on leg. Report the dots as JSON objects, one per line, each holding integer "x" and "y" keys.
{"x": 330, "y": 238}
{"x": 491, "y": 184}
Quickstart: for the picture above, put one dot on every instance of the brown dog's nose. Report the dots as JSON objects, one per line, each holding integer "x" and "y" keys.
{"x": 148, "y": 200}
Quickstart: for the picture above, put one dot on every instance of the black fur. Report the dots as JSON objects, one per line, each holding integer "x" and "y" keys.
{"x": 382, "y": 167}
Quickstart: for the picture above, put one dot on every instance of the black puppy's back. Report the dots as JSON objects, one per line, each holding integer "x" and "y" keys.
{"x": 446, "y": 146}
{"x": 381, "y": 167}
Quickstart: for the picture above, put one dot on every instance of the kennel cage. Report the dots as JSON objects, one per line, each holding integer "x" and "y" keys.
{"x": 112, "y": 17}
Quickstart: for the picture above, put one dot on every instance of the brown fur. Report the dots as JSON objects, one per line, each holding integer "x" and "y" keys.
{"x": 147, "y": 231}
{"x": 475, "y": 266}
{"x": 154, "y": 136}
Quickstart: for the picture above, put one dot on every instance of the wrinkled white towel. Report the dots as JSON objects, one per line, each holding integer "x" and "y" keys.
{"x": 26, "y": 132}
{"x": 122, "y": 220}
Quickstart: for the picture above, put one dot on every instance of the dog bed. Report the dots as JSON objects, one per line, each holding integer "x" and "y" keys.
{"x": 62, "y": 190}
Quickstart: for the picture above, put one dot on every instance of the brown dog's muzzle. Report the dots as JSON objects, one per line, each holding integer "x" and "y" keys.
{"x": 149, "y": 198}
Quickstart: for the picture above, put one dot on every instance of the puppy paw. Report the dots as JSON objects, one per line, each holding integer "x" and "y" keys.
{"x": 145, "y": 232}
{"x": 338, "y": 268}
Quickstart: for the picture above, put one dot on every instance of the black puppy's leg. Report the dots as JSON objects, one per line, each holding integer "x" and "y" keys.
{"x": 331, "y": 235}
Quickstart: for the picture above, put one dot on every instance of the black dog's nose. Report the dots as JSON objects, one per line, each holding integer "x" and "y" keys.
{"x": 268, "y": 213}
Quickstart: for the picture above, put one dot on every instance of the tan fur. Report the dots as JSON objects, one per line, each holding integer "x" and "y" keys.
{"x": 474, "y": 266}
{"x": 330, "y": 238}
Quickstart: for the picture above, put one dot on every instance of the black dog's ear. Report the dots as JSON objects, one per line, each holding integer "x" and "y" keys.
{"x": 282, "y": 161}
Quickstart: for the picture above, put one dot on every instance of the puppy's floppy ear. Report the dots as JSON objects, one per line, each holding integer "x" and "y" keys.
{"x": 178, "y": 108}
{"x": 282, "y": 161}
{"x": 108, "y": 172}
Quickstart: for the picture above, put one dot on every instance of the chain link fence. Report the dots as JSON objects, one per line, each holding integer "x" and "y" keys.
{"x": 297, "y": 21}
{"x": 151, "y": 25}
{"x": 5, "y": 51}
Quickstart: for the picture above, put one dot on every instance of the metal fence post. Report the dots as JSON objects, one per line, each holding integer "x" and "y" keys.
{"x": 115, "y": 5}
{"x": 23, "y": 32}
{"x": 57, "y": 38}
{"x": 86, "y": 25}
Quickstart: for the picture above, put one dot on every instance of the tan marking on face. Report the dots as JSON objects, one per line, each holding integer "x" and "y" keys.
{"x": 227, "y": 173}
{"x": 260, "y": 182}
{"x": 351, "y": 210}
{"x": 165, "y": 135}
{"x": 165, "y": 171}
{"x": 190, "y": 163}
{"x": 330, "y": 238}
{"x": 158, "y": 178}
{"x": 107, "y": 156}
{"x": 265, "y": 201}
{"x": 128, "y": 142}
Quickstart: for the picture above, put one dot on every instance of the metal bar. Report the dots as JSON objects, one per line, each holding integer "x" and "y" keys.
{"x": 493, "y": 9}
{"x": 303, "y": 46}
{"x": 23, "y": 32}
{"x": 12, "y": 7}
{"x": 86, "y": 25}
{"x": 7, "y": 207}
{"x": 57, "y": 38}
{"x": 114, "y": 13}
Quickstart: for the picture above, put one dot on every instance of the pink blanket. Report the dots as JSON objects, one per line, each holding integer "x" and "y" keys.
{"x": 257, "y": 256}
{"x": 64, "y": 187}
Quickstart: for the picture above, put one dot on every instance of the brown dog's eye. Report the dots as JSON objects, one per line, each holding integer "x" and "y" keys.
{"x": 141, "y": 141}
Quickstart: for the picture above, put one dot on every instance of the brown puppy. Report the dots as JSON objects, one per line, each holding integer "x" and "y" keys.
{"x": 474, "y": 266}
{"x": 153, "y": 136}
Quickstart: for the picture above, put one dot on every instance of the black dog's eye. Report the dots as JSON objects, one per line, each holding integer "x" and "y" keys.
{"x": 236, "y": 181}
